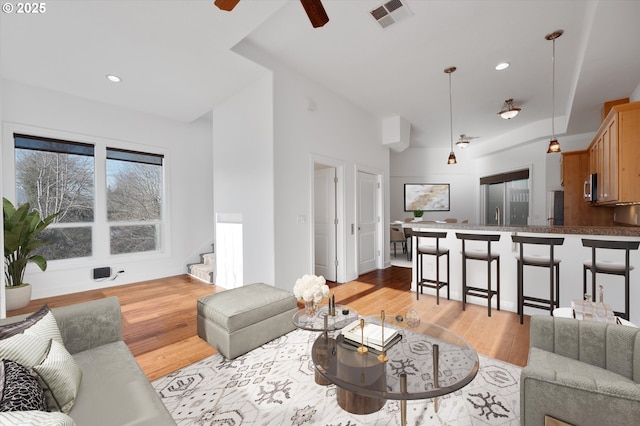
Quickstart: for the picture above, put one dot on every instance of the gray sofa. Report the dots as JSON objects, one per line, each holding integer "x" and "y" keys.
{"x": 581, "y": 372}
{"x": 114, "y": 390}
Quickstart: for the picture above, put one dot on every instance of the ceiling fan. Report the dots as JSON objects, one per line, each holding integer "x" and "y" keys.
{"x": 315, "y": 11}
{"x": 465, "y": 140}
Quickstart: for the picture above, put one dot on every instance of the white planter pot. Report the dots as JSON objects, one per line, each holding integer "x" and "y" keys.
{"x": 18, "y": 297}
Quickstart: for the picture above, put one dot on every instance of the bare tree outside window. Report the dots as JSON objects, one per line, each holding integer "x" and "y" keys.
{"x": 134, "y": 201}
{"x": 52, "y": 179}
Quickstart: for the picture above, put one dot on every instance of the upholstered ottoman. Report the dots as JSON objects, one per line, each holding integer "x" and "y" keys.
{"x": 241, "y": 319}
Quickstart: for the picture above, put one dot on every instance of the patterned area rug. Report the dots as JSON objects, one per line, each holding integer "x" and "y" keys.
{"x": 275, "y": 385}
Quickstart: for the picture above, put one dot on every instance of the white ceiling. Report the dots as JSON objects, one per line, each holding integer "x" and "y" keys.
{"x": 176, "y": 58}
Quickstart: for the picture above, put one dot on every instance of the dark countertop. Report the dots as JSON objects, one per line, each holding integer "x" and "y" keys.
{"x": 614, "y": 231}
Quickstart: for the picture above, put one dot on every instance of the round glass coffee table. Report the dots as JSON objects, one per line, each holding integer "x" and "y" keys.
{"x": 343, "y": 317}
{"x": 427, "y": 362}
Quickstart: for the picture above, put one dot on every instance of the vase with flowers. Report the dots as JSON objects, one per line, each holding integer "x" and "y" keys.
{"x": 311, "y": 289}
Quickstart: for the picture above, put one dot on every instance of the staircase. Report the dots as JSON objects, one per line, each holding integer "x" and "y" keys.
{"x": 204, "y": 270}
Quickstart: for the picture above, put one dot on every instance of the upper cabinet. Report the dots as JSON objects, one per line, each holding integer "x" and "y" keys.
{"x": 575, "y": 166}
{"x": 614, "y": 156}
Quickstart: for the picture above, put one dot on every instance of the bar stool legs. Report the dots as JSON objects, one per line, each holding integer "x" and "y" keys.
{"x": 488, "y": 257}
{"x": 540, "y": 261}
{"x": 437, "y": 252}
{"x": 609, "y": 268}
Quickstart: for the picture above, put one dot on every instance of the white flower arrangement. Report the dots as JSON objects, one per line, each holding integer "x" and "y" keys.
{"x": 311, "y": 288}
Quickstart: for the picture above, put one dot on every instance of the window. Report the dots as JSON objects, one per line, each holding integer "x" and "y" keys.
{"x": 54, "y": 175}
{"x": 134, "y": 200}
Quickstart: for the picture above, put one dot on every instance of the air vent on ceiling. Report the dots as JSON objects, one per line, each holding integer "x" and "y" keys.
{"x": 390, "y": 12}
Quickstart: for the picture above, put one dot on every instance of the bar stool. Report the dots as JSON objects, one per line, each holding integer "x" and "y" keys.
{"x": 485, "y": 256}
{"x": 550, "y": 262}
{"x": 610, "y": 268}
{"x": 431, "y": 250}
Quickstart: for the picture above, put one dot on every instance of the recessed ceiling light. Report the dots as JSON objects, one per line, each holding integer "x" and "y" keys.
{"x": 502, "y": 66}
{"x": 114, "y": 78}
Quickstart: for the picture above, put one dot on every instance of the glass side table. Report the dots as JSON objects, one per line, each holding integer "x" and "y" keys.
{"x": 316, "y": 322}
{"x": 343, "y": 317}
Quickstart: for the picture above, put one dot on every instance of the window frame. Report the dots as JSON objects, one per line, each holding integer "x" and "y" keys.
{"x": 100, "y": 225}
{"x": 151, "y": 159}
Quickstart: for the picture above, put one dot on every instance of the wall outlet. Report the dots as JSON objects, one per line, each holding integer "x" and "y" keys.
{"x": 100, "y": 273}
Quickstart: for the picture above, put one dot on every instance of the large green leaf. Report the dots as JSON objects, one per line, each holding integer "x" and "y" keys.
{"x": 21, "y": 230}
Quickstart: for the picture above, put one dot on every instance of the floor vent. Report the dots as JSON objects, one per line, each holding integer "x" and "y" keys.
{"x": 390, "y": 12}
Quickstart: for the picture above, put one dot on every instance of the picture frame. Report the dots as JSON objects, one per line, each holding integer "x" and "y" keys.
{"x": 427, "y": 197}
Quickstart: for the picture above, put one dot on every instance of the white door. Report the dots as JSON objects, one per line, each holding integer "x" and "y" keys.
{"x": 367, "y": 222}
{"x": 325, "y": 223}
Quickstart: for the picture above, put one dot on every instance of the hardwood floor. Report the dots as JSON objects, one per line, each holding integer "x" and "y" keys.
{"x": 159, "y": 317}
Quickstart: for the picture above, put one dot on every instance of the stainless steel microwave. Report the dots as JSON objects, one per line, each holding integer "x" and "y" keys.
{"x": 591, "y": 188}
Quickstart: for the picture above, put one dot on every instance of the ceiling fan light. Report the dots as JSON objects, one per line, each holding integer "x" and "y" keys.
{"x": 452, "y": 158}
{"x": 462, "y": 143}
{"x": 508, "y": 111}
{"x": 554, "y": 146}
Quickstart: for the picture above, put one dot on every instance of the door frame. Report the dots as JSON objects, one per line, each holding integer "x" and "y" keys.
{"x": 380, "y": 240}
{"x": 339, "y": 165}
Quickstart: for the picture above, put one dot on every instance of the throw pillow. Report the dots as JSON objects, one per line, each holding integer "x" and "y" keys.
{"x": 37, "y": 344}
{"x": 9, "y": 330}
{"x": 42, "y": 324}
{"x": 60, "y": 377}
{"x": 20, "y": 390}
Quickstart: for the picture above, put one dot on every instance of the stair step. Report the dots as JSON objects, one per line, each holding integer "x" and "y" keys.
{"x": 203, "y": 271}
{"x": 209, "y": 258}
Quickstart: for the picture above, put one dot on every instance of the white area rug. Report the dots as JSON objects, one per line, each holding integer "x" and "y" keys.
{"x": 274, "y": 385}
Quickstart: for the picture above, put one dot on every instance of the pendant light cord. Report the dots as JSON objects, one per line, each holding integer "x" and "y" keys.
{"x": 553, "y": 90}
{"x": 450, "y": 114}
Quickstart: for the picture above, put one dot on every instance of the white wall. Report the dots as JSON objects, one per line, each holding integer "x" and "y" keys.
{"x": 188, "y": 176}
{"x": 243, "y": 175}
{"x": 429, "y": 165}
{"x": 336, "y": 129}
{"x": 635, "y": 95}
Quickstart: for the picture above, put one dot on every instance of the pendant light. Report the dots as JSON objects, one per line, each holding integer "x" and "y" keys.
{"x": 508, "y": 111}
{"x": 554, "y": 145}
{"x": 452, "y": 156}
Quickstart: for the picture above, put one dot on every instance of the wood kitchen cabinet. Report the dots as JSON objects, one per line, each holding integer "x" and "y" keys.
{"x": 576, "y": 166}
{"x": 614, "y": 155}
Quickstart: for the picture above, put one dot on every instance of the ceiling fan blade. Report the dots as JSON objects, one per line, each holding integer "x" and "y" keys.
{"x": 315, "y": 11}
{"x": 227, "y": 5}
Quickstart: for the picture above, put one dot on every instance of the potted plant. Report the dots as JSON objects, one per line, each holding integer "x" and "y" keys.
{"x": 417, "y": 214}
{"x": 22, "y": 228}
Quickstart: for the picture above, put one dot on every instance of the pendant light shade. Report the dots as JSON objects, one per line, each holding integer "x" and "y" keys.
{"x": 554, "y": 145}
{"x": 452, "y": 155}
{"x": 508, "y": 111}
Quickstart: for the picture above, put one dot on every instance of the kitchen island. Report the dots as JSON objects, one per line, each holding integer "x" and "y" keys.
{"x": 536, "y": 280}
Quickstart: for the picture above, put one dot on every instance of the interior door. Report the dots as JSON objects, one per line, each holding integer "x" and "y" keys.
{"x": 367, "y": 222}
{"x": 325, "y": 227}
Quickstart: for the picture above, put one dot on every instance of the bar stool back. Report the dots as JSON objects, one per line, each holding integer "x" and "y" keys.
{"x": 486, "y": 256}
{"x": 550, "y": 262}
{"x": 431, "y": 250}
{"x": 610, "y": 268}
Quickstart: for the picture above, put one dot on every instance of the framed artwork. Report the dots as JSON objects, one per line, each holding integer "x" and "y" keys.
{"x": 426, "y": 196}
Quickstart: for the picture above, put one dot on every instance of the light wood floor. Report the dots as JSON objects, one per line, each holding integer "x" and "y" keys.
{"x": 159, "y": 317}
